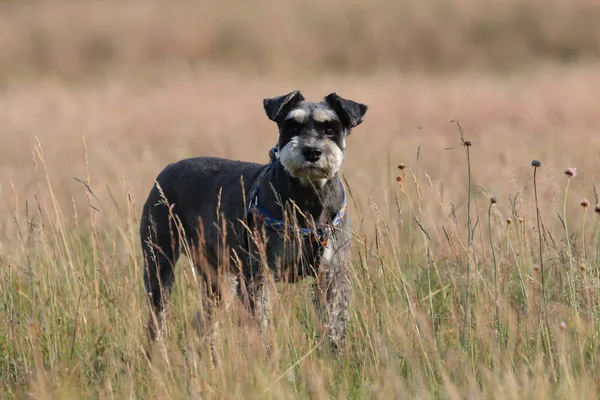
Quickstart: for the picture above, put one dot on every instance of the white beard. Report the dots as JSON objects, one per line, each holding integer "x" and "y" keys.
{"x": 311, "y": 173}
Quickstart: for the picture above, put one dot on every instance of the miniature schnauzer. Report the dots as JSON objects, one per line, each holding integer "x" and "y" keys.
{"x": 286, "y": 220}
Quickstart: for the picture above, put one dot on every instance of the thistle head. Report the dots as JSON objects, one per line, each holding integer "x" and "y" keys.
{"x": 563, "y": 326}
{"x": 493, "y": 200}
{"x": 536, "y": 163}
{"x": 584, "y": 203}
{"x": 571, "y": 172}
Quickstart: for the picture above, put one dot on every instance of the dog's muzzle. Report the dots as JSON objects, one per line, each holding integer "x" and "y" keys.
{"x": 311, "y": 159}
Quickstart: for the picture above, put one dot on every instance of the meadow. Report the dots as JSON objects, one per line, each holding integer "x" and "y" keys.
{"x": 459, "y": 289}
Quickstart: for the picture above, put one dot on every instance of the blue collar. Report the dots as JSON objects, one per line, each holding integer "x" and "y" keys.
{"x": 263, "y": 216}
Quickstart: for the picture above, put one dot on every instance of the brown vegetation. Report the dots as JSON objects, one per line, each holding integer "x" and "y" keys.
{"x": 70, "y": 38}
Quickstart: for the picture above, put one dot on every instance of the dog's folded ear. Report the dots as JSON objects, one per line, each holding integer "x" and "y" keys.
{"x": 350, "y": 112}
{"x": 278, "y": 107}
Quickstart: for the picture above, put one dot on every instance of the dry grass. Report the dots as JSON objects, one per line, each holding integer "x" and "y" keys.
{"x": 72, "y": 310}
{"x": 70, "y": 284}
{"x": 87, "y": 38}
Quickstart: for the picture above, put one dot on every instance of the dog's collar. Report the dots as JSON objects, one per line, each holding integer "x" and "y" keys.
{"x": 264, "y": 217}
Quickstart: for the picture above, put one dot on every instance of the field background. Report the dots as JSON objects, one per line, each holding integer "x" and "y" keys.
{"x": 96, "y": 97}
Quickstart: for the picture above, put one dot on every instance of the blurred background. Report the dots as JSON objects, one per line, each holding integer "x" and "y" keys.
{"x": 148, "y": 82}
{"x": 84, "y": 39}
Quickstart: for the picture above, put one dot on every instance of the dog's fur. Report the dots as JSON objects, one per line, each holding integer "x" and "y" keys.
{"x": 204, "y": 200}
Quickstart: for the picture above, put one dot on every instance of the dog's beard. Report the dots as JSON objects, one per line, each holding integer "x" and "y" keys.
{"x": 319, "y": 171}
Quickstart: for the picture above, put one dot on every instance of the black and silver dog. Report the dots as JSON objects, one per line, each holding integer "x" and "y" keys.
{"x": 286, "y": 219}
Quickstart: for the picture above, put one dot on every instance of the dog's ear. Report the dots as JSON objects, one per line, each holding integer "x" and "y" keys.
{"x": 277, "y": 107}
{"x": 350, "y": 112}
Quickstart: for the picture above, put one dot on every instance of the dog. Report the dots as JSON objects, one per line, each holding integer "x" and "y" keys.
{"x": 247, "y": 222}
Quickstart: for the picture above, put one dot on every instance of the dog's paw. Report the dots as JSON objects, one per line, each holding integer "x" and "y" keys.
{"x": 337, "y": 342}
{"x": 156, "y": 329}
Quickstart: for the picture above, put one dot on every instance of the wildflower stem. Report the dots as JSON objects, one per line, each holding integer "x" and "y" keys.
{"x": 467, "y": 145}
{"x": 537, "y": 209}
{"x": 584, "y": 252}
{"x": 495, "y": 268}
{"x": 568, "y": 244}
{"x": 544, "y": 309}
{"x": 597, "y": 264}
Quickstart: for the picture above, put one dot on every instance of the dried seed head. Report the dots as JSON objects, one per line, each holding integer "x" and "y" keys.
{"x": 597, "y": 209}
{"x": 493, "y": 200}
{"x": 571, "y": 172}
{"x": 508, "y": 221}
{"x": 536, "y": 163}
{"x": 399, "y": 179}
{"x": 537, "y": 268}
{"x": 467, "y": 143}
{"x": 521, "y": 219}
{"x": 401, "y": 166}
{"x": 585, "y": 203}
{"x": 563, "y": 326}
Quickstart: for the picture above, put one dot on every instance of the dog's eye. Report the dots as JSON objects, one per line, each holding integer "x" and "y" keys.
{"x": 293, "y": 126}
{"x": 329, "y": 129}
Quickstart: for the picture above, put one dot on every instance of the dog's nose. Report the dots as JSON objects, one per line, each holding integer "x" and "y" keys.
{"x": 312, "y": 153}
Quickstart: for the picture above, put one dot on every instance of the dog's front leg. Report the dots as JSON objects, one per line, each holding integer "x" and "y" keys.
{"x": 332, "y": 297}
{"x": 260, "y": 296}
{"x": 261, "y": 304}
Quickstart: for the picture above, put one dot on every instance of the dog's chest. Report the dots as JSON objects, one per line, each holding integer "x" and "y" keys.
{"x": 295, "y": 258}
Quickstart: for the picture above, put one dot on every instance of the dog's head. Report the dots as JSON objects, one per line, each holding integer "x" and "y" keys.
{"x": 312, "y": 136}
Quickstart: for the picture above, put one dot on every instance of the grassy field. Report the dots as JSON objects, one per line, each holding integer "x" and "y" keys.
{"x": 449, "y": 299}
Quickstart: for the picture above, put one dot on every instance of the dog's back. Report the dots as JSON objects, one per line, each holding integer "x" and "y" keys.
{"x": 197, "y": 184}
{"x": 199, "y": 187}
